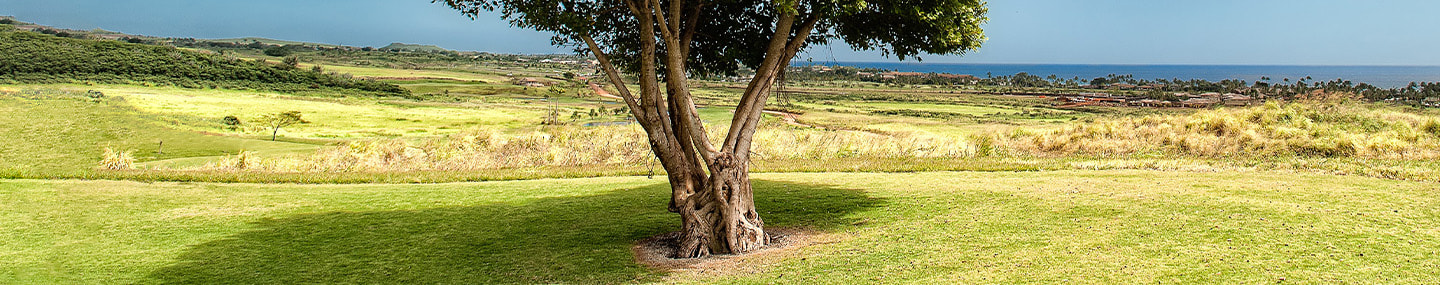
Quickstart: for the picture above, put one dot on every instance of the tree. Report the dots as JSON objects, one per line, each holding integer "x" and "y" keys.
{"x": 662, "y": 42}
{"x": 276, "y": 51}
{"x": 280, "y": 120}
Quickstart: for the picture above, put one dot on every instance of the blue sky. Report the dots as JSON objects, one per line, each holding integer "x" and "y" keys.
{"x": 1288, "y": 32}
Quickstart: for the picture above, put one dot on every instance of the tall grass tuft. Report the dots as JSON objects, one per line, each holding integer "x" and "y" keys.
{"x": 1325, "y": 129}
{"x": 117, "y": 160}
{"x": 563, "y": 146}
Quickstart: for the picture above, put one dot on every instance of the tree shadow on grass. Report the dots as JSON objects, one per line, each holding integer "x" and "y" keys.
{"x": 550, "y": 240}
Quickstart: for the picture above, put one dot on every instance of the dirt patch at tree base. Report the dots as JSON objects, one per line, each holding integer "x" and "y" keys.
{"x": 655, "y": 252}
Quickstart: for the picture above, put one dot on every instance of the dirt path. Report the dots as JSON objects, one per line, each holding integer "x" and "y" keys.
{"x": 602, "y": 93}
{"x": 790, "y": 118}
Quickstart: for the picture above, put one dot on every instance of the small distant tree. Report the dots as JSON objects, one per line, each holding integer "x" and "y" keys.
{"x": 7, "y": 22}
{"x": 280, "y": 120}
{"x": 556, "y": 91}
{"x": 317, "y": 69}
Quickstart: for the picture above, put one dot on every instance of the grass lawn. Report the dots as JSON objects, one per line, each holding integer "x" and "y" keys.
{"x": 945, "y": 227}
{"x": 202, "y": 109}
{"x": 69, "y": 135}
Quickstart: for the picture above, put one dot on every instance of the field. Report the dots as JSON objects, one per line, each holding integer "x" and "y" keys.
{"x": 969, "y": 227}
{"x": 470, "y": 177}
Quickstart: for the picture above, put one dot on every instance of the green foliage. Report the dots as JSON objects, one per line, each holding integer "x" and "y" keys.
{"x": 280, "y": 120}
{"x": 277, "y": 51}
{"x": 231, "y": 122}
{"x": 731, "y": 34}
{"x": 34, "y": 58}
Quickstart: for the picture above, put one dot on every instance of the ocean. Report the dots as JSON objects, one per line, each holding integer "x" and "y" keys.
{"x": 1382, "y": 76}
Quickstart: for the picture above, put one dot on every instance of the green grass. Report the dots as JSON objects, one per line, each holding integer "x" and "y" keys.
{"x": 329, "y": 117}
{"x": 946, "y": 227}
{"x": 66, "y": 134}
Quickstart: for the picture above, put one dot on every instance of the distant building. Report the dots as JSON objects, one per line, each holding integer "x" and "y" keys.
{"x": 529, "y": 82}
{"x": 959, "y": 76}
{"x": 1199, "y": 103}
{"x": 1146, "y": 103}
{"x": 1232, "y": 99}
{"x": 1122, "y": 86}
{"x": 894, "y": 74}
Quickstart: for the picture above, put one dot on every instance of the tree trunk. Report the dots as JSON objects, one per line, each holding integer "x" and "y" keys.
{"x": 710, "y": 186}
{"x": 274, "y": 133}
{"x": 721, "y": 218}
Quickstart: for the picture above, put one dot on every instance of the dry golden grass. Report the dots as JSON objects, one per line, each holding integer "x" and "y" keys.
{"x": 1304, "y": 129}
{"x": 573, "y": 146}
{"x": 117, "y": 160}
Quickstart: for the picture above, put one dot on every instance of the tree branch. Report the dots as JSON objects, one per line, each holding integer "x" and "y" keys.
{"x": 742, "y": 145}
{"x": 666, "y": 30}
{"x": 766, "y": 73}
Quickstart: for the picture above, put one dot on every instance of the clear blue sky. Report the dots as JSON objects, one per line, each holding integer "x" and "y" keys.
{"x": 1291, "y": 32}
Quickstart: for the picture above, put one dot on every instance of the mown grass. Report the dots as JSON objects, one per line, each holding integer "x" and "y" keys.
{"x": 949, "y": 227}
{"x": 333, "y": 117}
{"x": 60, "y": 132}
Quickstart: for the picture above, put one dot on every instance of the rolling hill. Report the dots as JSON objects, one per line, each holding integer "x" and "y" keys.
{"x": 41, "y": 58}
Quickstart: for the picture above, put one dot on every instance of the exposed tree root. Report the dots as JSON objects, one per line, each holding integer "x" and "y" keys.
{"x": 656, "y": 252}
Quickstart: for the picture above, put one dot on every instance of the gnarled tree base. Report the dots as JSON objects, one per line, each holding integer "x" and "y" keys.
{"x": 718, "y": 216}
{"x": 658, "y": 252}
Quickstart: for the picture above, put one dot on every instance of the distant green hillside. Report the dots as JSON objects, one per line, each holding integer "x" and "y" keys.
{"x": 30, "y": 57}
{"x": 271, "y": 42}
{"x": 413, "y": 48}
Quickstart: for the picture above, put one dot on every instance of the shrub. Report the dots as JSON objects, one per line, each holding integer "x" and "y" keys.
{"x": 231, "y": 122}
{"x": 292, "y": 61}
{"x": 1432, "y": 127}
{"x": 117, "y": 160}
{"x": 95, "y": 95}
{"x": 277, "y": 51}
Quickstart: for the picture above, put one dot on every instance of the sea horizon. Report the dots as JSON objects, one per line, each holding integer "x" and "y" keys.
{"x": 1383, "y": 76}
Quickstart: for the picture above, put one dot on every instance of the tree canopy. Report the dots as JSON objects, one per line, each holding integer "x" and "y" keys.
{"x": 728, "y": 34}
